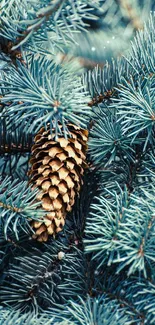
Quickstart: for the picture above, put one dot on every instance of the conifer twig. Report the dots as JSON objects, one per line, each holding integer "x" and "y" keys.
{"x": 50, "y": 10}
{"x": 100, "y": 98}
{"x": 47, "y": 13}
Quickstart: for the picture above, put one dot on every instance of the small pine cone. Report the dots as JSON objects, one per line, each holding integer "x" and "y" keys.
{"x": 56, "y": 170}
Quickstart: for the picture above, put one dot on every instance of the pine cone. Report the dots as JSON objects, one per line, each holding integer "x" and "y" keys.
{"x": 57, "y": 169}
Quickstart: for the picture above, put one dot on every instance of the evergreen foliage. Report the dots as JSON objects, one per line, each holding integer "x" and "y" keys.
{"x": 17, "y": 205}
{"x": 98, "y": 310}
{"x": 7, "y": 318}
{"x": 44, "y": 24}
{"x": 44, "y": 278}
{"x": 35, "y": 101}
{"x": 101, "y": 268}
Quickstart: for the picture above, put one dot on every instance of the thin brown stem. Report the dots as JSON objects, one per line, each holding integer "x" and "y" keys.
{"x": 83, "y": 62}
{"x": 9, "y": 207}
{"x": 100, "y": 98}
{"x": 131, "y": 13}
{"x": 14, "y": 149}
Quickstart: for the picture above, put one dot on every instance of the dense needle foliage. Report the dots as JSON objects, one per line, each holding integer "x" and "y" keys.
{"x": 90, "y": 63}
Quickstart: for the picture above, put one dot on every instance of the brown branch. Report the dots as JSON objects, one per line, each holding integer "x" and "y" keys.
{"x": 84, "y": 62}
{"x": 89, "y": 64}
{"x": 9, "y": 207}
{"x": 123, "y": 302}
{"x": 132, "y": 15}
{"x": 100, "y": 98}
{"x": 14, "y": 149}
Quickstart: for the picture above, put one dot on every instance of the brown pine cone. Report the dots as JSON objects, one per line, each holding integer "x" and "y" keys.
{"x": 56, "y": 170}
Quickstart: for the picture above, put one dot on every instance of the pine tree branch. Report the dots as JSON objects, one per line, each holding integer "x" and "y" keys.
{"x": 17, "y": 206}
{"x": 125, "y": 303}
{"x": 125, "y": 291}
{"x": 53, "y": 96}
{"x": 46, "y": 14}
{"x": 46, "y": 277}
